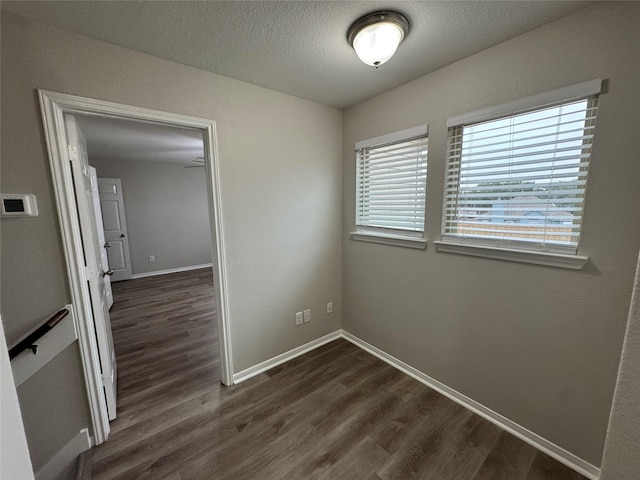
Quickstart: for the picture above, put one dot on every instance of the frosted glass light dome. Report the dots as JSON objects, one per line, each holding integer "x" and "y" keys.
{"x": 377, "y": 44}
{"x": 376, "y": 36}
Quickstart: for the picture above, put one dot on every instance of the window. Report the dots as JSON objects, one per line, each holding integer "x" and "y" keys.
{"x": 516, "y": 174}
{"x": 391, "y": 187}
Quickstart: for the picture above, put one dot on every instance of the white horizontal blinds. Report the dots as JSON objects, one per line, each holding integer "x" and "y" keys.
{"x": 391, "y": 185}
{"x": 520, "y": 180}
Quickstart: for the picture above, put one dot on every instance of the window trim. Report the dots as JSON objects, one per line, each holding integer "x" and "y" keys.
{"x": 561, "y": 260}
{"x": 402, "y": 135}
{"x": 391, "y": 236}
{"x": 541, "y": 100}
{"x": 511, "y": 251}
{"x": 399, "y": 240}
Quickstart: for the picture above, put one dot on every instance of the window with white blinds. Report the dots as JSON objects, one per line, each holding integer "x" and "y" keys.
{"x": 392, "y": 181}
{"x": 518, "y": 180}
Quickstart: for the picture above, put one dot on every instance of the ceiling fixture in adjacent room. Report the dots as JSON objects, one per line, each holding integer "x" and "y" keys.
{"x": 376, "y": 36}
{"x": 198, "y": 162}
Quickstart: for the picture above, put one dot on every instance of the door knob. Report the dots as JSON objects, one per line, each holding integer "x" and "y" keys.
{"x": 122, "y": 235}
{"x": 108, "y": 272}
{"x": 107, "y": 245}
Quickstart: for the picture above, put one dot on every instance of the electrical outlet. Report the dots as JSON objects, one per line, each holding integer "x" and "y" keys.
{"x": 307, "y": 316}
{"x": 330, "y": 307}
{"x": 152, "y": 258}
{"x": 299, "y": 318}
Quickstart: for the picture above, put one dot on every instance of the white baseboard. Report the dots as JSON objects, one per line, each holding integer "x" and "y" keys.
{"x": 551, "y": 449}
{"x": 55, "y": 467}
{"x": 284, "y": 357}
{"x": 563, "y": 456}
{"x": 171, "y": 270}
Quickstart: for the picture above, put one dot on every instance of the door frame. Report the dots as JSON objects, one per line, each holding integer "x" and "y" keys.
{"x": 53, "y": 106}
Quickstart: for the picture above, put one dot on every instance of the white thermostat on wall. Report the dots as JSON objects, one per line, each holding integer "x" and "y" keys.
{"x": 19, "y": 205}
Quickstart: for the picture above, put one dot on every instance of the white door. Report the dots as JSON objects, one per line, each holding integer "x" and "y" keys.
{"x": 104, "y": 260}
{"x": 92, "y": 253}
{"x": 115, "y": 228}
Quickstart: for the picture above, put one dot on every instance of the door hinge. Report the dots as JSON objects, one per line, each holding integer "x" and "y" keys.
{"x": 73, "y": 153}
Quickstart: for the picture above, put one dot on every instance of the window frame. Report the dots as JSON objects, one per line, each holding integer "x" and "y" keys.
{"x": 513, "y": 250}
{"x": 389, "y": 236}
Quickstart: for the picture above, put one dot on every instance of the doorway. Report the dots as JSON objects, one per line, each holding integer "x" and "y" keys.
{"x": 54, "y": 106}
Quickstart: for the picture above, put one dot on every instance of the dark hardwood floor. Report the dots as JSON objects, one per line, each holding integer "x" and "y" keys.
{"x": 334, "y": 413}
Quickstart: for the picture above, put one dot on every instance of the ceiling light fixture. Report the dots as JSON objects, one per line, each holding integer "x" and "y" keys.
{"x": 376, "y": 36}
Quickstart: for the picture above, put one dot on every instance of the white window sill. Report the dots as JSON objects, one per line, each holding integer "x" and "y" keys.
{"x": 390, "y": 239}
{"x": 574, "y": 262}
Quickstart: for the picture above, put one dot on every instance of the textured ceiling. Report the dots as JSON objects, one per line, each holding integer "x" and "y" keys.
{"x": 114, "y": 138}
{"x": 297, "y": 47}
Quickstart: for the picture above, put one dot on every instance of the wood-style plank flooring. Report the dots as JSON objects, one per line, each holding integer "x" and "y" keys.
{"x": 334, "y": 413}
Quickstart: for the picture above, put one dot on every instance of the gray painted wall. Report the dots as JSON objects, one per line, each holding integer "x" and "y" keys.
{"x": 54, "y": 406}
{"x": 621, "y": 460}
{"x": 166, "y": 210}
{"x": 280, "y": 165}
{"x": 539, "y": 345}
